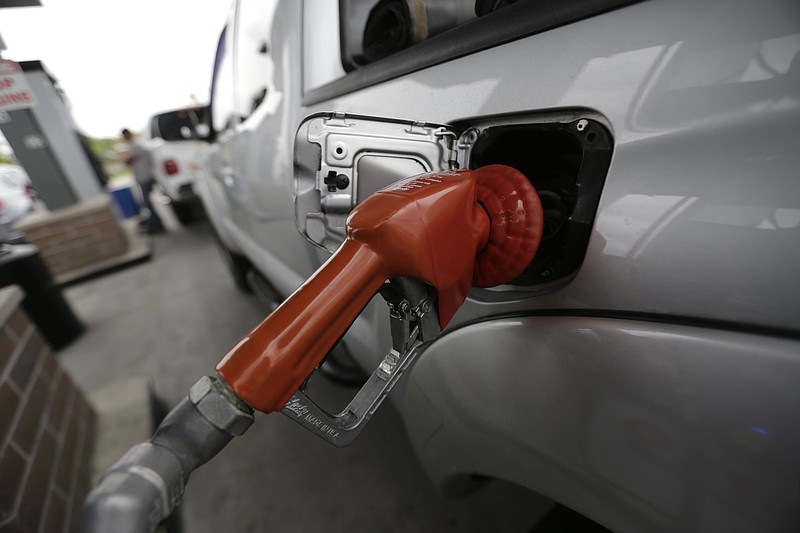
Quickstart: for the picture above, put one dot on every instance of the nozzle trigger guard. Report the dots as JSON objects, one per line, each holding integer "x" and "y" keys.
{"x": 414, "y": 322}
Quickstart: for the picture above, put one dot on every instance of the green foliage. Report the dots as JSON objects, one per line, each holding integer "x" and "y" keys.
{"x": 6, "y": 159}
{"x": 104, "y": 149}
{"x": 106, "y": 155}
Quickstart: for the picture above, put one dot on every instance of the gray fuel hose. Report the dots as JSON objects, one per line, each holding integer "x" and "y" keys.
{"x": 147, "y": 483}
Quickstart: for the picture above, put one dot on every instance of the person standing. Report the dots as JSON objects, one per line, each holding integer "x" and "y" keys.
{"x": 139, "y": 161}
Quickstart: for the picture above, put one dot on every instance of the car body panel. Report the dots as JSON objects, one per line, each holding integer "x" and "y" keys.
{"x": 251, "y": 165}
{"x": 642, "y": 426}
{"x": 730, "y": 200}
{"x": 656, "y": 389}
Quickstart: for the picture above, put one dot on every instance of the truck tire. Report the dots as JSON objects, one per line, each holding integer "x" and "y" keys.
{"x": 237, "y": 264}
{"x": 184, "y": 211}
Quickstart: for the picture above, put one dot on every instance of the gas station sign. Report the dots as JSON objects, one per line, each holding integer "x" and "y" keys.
{"x": 15, "y": 92}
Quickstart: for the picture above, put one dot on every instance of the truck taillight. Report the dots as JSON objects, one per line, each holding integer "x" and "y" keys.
{"x": 171, "y": 167}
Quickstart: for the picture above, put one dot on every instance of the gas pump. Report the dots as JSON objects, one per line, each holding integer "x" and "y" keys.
{"x": 421, "y": 243}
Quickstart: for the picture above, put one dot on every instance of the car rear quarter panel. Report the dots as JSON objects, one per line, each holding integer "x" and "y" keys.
{"x": 680, "y": 414}
{"x": 641, "y": 426}
{"x": 700, "y": 214}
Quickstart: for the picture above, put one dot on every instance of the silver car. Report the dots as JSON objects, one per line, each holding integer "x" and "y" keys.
{"x": 644, "y": 369}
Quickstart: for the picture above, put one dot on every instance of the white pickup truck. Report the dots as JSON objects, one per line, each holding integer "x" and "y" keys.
{"x": 176, "y": 139}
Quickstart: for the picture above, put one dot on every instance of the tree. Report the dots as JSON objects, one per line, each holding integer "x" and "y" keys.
{"x": 7, "y": 159}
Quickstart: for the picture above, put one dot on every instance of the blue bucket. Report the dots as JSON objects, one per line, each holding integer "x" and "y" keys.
{"x": 125, "y": 202}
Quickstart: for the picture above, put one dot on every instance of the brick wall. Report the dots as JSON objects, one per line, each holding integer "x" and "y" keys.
{"x": 77, "y": 236}
{"x": 47, "y": 435}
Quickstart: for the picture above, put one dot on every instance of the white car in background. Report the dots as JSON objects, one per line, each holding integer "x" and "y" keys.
{"x": 16, "y": 199}
{"x": 176, "y": 140}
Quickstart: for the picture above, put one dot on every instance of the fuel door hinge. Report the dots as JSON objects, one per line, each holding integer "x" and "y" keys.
{"x": 449, "y": 140}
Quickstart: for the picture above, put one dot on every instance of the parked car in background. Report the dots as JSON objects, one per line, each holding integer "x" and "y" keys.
{"x": 176, "y": 139}
{"x": 16, "y": 199}
{"x": 643, "y": 371}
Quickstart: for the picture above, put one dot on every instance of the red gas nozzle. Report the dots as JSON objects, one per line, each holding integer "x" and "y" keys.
{"x": 449, "y": 228}
{"x": 516, "y": 216}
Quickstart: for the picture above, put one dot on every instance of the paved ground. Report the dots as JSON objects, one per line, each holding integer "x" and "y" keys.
{"x": 170, "y": 320}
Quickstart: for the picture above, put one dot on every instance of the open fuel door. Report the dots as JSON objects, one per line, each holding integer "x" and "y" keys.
{"x": 341, "y": 159}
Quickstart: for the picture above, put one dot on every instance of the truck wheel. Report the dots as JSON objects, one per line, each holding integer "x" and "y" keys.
{"x": 184, "y": 211}
{"x": 238, "y": 266}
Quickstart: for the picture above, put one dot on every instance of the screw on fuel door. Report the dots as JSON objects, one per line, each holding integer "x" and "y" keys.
{"x": 336, "y": 181}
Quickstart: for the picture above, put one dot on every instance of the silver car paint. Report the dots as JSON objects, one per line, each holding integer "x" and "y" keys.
{"x": 700, "y": 213}
{"x": 641, "y": 424}
{"x": 248, "y": 189}
{"x": 252, "y": 165}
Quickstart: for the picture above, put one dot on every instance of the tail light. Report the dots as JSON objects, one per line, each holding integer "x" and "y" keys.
{"x": 171, "y": 167}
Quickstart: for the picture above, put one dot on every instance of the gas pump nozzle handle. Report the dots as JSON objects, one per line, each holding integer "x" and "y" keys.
{"x": 429, "y": 227}
{"x": 451, "y": 229}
